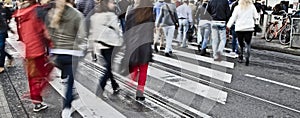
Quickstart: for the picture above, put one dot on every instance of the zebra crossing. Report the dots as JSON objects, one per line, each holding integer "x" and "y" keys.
{"x": 158, "y": 78}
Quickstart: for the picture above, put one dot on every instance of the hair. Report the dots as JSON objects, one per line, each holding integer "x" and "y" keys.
{"x": 143, "y": 11}
{"x": 245, "y": 3}
{"x": 102, "y": 6}
{"x": 58, "y": 11}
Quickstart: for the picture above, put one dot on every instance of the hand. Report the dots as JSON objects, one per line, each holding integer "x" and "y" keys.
{"x": 227, "y": 30}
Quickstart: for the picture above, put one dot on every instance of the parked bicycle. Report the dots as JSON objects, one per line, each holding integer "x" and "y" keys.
{"x": 283, "y": 33}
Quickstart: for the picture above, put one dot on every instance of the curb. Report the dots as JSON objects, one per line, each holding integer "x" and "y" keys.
{"x": 276, "y": 49}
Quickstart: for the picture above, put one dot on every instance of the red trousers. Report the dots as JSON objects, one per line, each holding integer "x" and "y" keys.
{"x": 139, "y": 71}
{"x": 37, "y": 70}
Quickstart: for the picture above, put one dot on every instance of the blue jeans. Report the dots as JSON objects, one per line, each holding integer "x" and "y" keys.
{"x": 235, "y": 43}
{"x": 2, "y": 49}
{"x": 218, "y": 37}
{"x": 68, "y": 65}
{"x": 182, "y": 31}
{"x": 122, "y": 21}
{"x": 107, "y": 56}
{"x": 203, "y": 35}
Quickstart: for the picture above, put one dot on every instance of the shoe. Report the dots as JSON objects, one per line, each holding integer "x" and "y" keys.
{"x": 170, "y": 52}
{"x": 39, "y": 107}
{"x": 167, "y": 55}
{"x": 155, "y": 48}
{"x": 141, "y": 98}
{"x": 117, "y": 91}
{"x": 161, "y": 48}
{"x": 10, "y": 62}
{"x": 66, "y": 113}
{"x": 219, "y": 58}
{"x": 247, "y": 62}
{"x": 203, "y": 52}
{"x": 240, "y": 60}
{"x": 184, "y": 46}
{"x": 199, "y": 48}
{"x": 1, "y": 69}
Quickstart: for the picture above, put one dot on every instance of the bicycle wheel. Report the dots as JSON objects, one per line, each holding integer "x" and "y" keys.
{"x": 284, "y": 36}
{"x": 269, "y": 34}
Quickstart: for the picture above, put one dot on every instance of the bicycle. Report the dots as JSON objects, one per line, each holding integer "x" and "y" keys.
{"x": 284, "y": 31}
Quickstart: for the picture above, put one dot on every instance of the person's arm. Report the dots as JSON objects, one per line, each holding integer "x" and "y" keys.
{"x": 232, "y": 18}
{"x": 190, "y": 16}
{"x": 161, "y": 15}
{"x": 227, "y": 11}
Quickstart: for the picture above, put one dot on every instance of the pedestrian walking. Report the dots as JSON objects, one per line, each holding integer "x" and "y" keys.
{"x": 159, "y": 33}
{"x": 138, "y": 41}
{"x": 234, "y": 43}
{"x": 244, "y": 16}
{"x": 86, "y": 7}
{"x": 204, "y": 27}
{"x": 121, "y": 12}
{"x": 69, "y": 38}
{"x": 185, "y": 20}
{"x": 104, "y": 32}
{"x": 220, "y": 12}
{"x": 5, "y": 16}
{"x": 167, "y": 20}
{"x": 36, "y": 41}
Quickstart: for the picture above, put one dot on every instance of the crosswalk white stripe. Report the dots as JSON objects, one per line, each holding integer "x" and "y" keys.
{"x": 89, "y": 106}
{"x": 222, "y": 76}
{"x": 156, "y": 93}
{"x": 195, "y": 48}
{"x": 191, "y": 86}
{"x": 203, "y": 58}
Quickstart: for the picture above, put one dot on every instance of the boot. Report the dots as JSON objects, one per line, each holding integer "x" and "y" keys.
{"x": 140, "y": 95}
{"x": 155, "y": 48}
{"x": 240, "y": 59}
{"x": 203, "y": 52}
{"x": 247, "y": 62}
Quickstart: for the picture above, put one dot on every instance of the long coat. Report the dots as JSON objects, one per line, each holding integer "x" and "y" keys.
{"x": 138, "y": 38}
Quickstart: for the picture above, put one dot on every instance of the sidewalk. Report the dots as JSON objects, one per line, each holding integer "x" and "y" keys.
{"x": 274, "y": 45}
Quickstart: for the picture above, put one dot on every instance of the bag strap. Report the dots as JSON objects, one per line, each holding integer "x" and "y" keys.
{"x": 172, "y": 16}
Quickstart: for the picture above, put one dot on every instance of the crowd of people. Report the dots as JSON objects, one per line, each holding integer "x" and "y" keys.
{"x": 58, "y": 33}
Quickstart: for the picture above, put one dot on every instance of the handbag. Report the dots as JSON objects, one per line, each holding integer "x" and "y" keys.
{"x": 173, "y": 18}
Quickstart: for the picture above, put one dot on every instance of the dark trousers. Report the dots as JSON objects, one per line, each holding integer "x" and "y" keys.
{"x": 68, "y": 65}
{"x": 234, "y": 40}
{"x": 107, "y": 55}
{"x": 122, "y": 21}
{"x": 2, "y": 50}
{"x": 244, "y": 37}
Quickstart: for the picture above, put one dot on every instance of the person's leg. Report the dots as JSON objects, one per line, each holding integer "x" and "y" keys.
{"x": 2, "y": 51}
{"x": 248, "y": 36}
{"x": 222, "y": 34}
{"x": 199, "y": 36}
{"x": 106, "y": 53}
{"x": 205, "y": 34}
{"x": 234, "y": 40}
{"x": 180, "y": 30}
{"x": 156, "y": 36}
{"x": 142, "y": 79}
{"x": 185, "y": 30}
{"x": 162, "y": 38}
{"x": 215, "y": 40}
{"x": 241, "y": 36}
{"x": 169, "y": 32}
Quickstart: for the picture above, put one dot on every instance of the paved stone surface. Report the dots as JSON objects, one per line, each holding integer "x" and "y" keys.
{"x": 4, "y": 108}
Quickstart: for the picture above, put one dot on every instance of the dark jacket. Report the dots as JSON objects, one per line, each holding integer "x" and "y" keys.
{"x": 219, "y": 10}
{"x": 85, "y": 6}
{"x": 138, "y": 38}
{"x": 122, "y": 8}
{"x": 3, "y": 20}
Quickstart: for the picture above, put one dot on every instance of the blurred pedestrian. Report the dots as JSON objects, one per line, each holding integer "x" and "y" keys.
{"x": 167, "y": 20}
{"x": 138, "y": 40}
{"x": 159, "y": 33}
{"x": 244, "y": 16}
{"x": 220, "y": 12}
{"x": 34, "y": 36}
{"x": 204, "y": 27}
{"x": 104, "y": 32}
{"x": 5, "y": 16}
{"x": 185, "y": 20}
{"x": 67, "y": 31}
{"x": 86, "y": 7}
{"x": 234, "y": 43}
{"x": 121, "y": 12}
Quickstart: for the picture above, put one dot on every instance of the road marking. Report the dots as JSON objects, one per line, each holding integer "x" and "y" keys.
{"x": 203, "y": 58}
{"x": 170, "y": 100}
{"x": 191, "y": 86}
{"x": 88, "y": 105}
{"x": 271, "y": 81}
{"x": 209, "y": 50}
{"x": 222, "y": 76}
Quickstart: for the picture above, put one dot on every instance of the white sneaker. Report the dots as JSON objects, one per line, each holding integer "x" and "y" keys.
{"x": 66, "y": 113}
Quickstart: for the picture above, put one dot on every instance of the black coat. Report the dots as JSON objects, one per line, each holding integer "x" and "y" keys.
{"x": 138, "y": 38}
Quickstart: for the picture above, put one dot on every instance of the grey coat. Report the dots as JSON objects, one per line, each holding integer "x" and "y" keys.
{"x": 165, "y": 18}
